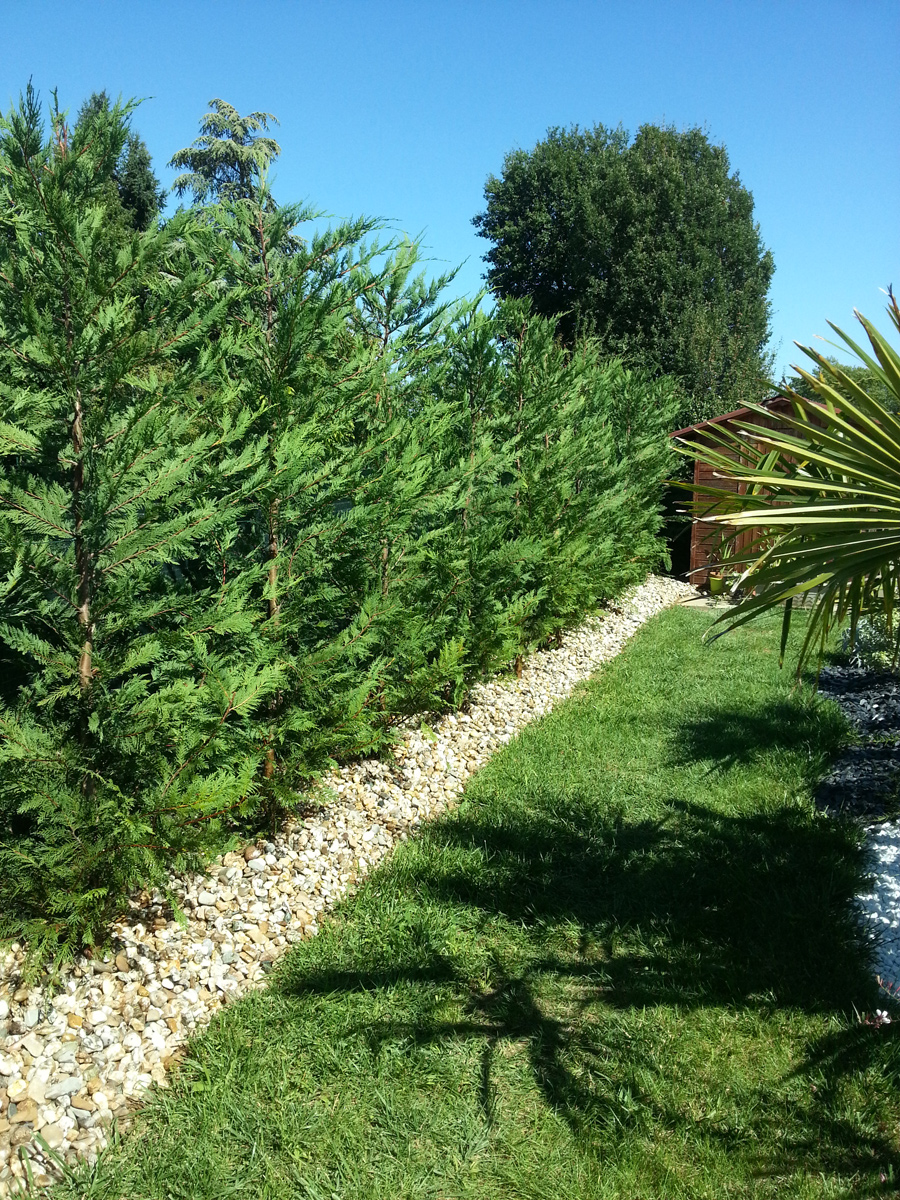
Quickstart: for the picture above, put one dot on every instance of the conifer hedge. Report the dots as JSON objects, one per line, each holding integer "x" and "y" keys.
{"x": 260, "y": 497}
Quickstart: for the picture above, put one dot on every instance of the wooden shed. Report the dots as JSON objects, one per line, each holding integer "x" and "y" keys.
{"x": 706, "y": 536}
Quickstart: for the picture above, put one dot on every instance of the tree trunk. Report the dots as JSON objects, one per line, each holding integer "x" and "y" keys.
{"x": 269, "y": 768}
{"x": 385, "y": 567}
{"x": 269, "y": 319}
{"x": 520, "y": 404}
{"x": 83, "y": 563}
{"x": 274, "y": 606}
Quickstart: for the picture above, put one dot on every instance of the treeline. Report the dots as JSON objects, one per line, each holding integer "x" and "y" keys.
{"x": 260, "y": 497}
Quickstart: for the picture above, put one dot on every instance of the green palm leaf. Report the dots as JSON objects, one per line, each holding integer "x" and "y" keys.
{"x": 821, "y": 495}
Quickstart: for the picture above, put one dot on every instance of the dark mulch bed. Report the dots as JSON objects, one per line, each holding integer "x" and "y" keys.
{"x": 864, "y": 782}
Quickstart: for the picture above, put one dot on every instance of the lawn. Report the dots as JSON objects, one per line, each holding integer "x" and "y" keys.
{"x": 625, "y": 967}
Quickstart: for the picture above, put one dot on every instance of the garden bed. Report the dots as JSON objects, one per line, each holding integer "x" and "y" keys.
{"x": 864, "y": 783}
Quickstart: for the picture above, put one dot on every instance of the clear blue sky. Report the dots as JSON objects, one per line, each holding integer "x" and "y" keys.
{"x": 402, "y": 109}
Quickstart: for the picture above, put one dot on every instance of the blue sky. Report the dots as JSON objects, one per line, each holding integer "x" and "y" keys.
{"x": 401, "y": 110}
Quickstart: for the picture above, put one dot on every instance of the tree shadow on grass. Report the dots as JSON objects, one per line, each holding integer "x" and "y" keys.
{"x": 740, "y": 735}
{"x": 582, "y": 918}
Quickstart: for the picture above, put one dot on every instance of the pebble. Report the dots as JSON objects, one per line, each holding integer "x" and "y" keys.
{"x": 77, "y": 1053}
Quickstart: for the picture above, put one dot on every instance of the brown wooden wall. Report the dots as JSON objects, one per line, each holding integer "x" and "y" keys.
{"x": 706, "y": 537}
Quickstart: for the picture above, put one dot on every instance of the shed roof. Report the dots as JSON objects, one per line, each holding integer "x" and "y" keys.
{"x": 737, "y": 414}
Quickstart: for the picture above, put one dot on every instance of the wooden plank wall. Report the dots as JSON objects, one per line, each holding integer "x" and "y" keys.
{"x": 706, "y": 537}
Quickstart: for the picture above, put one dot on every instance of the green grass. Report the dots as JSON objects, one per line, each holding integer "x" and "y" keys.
{"x": 625, "y": 967}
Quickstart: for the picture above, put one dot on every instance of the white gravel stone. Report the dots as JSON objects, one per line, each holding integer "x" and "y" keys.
{"x": 67, "y": 1086}
{"x": 33, "y": 1045}
{"x": 108, "y": 1029}
{"x": 880, "y": 905}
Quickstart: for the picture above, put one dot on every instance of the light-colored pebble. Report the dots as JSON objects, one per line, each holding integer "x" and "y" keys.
{"x": 80, "y": 1052}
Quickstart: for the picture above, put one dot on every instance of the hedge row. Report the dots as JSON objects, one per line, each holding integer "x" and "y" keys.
{"x": 260, "y": 497}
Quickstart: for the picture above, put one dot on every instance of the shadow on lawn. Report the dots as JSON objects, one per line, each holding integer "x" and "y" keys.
{"x": 729, "y": 737}
{"x": 606, "y": 917}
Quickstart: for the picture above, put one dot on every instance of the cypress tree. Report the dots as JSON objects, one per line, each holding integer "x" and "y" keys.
{"x": 492, "y": 556}
{"x": 304, "y": 376}
{"x": 588, "y": 461}
{"x": 259, "y": 499}
{"x": 123, "y": 725}
{"x": 409, "y": 484}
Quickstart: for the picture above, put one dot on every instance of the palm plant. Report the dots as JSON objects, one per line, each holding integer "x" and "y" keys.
{"x": 821, "y": 496}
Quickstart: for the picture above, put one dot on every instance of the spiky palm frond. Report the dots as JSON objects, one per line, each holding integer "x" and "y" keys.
{"x": 821, "y": 495}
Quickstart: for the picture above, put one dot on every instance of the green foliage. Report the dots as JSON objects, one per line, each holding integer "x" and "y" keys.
{"x": 139, "y": 193}
{"x": 139, "y": 188}
{"x": 823, "y": 496}
{"x": 305, "y": 379}
{"x": 261, "y": 497}
{"x": 123, "y": 695}
{"x": 562, "y": 518}
{"x": 873, "y": 644}
{"x": 229, "y": 158}
{"x": 648, "y": 245}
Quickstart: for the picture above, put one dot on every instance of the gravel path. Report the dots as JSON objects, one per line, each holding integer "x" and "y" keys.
{"x": 865, "y": 783}
{"x": 77, "y": 1057}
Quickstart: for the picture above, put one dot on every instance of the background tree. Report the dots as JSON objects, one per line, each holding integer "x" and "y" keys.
{"x": 229, "y": 158}
{"x": 862, "y": 376}
{"x": 647, "y": 245}
{"x": 136, "y": 186}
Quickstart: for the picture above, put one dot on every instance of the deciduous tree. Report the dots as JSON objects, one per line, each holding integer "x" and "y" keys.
{"x": 649, "y": 245}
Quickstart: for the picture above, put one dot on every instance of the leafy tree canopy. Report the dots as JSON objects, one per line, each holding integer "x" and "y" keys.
{"x": 862, "y": 376}
{"x": 229, "y": 158}
{"x": 138, "y": 189}
{"x": 647, "y": 244}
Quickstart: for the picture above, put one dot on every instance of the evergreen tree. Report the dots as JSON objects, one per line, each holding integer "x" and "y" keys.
{"x": 487, "y": 558}
{"x": 336, "y": 538}
{"x": 569, "y": 513}
{"x": 230, "y": 158}
{"x": 127, "y": 690}
{"x": 137, "y": 187}
{"x": 410, "y": 484}
{"x": 302, "y": 377}
{"x": 259, "y": 499}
